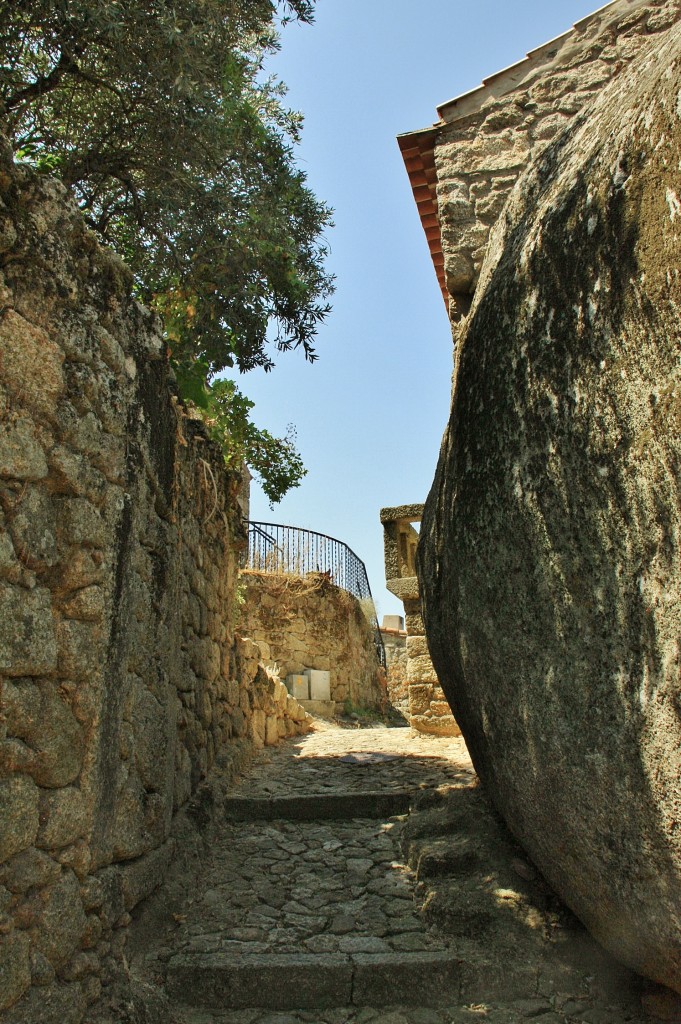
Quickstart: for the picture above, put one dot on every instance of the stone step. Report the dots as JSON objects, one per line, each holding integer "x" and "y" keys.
{"x": 319, "y": 806}
{"x": 221, "y": 981}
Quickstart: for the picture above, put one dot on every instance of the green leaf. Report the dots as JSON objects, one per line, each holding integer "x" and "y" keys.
{"x": 181, "y": 155}
{"x": 191, "y": 383}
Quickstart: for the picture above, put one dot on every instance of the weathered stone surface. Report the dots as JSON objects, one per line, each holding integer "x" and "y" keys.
{"x": 420, "y": 695}
{"x": 142, "y": 876}
{"x": 86, "y": 604}
{"x": 310, "y": 623}
{"x": 417, "y": 647}
{"x": 271, "y": 730}
{"x": 414, "y": 622}
{"x": 15, "y": 968}
{"x": 486, "y": 139}
{"x": 74, "y": 472}
{"x": 420, "y": 670}
{"x": 21, "y": 456}
{"x": 81, "y": 523}
{"x": 129, "y": 831}
{"x": 27, "y": 641}
{"x": 258, "y": 721}
{"x": 57, "y": 1003}
{"x": 406, "y": 589}
{"x": 80, "y": 570}
{"x": 33, "y": 530}
{"x": 395, "y": 645}
{"x": 77, "y": 857}
{"x": 42, "y": 971}
{"x": 59, "y": 919}
{"x": 63, "y": 818}
{"x": 293, "y": 981}
{"x": 153, "y": 726}
{"x": 30, "y": 364}
{"x": 51, "y": 736}
{"x": 79, "y": 652}
{"x": 18, "y": 815}
{"x": 436, "y": 725}
{"x": 395, "y": 513}
{"x": 28, "y": 869}
{"x": 277, "y": 895}
{"x": 119, "y": 537}
{"x": 10, "y": 566}
{"x": 423, "y": 979}
{"x": 551, "y": 539}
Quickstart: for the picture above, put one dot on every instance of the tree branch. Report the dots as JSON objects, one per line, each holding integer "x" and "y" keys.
{"x": 46, "y": 83}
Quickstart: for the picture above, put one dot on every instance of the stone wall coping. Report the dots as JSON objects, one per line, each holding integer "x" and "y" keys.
{"x": 402, "y": 513}
{"x": 418, "y": 147}
{"x": 509, "y": 77}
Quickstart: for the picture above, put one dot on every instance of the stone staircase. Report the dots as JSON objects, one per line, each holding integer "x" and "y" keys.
{"x": 309, "y": 905}
{"x": 359, "y": 877}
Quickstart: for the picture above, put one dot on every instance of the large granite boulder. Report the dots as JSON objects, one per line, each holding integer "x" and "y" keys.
{"x": 550, "y": 559}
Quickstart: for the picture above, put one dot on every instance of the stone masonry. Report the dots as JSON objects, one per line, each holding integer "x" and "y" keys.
{"x": 319, "y": 900}
{"x": 121, "y": 682}
{"x": 308, "y": 622}
{"x": 463, "y": 168}
{"x": 395, "y": 643}
{"x": 428, "y": 710}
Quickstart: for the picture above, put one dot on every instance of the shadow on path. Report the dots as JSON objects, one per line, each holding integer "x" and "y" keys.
{"x": 378, "y": 886}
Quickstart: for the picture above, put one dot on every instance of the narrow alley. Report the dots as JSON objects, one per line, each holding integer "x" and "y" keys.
{"x": 320, "y": 898}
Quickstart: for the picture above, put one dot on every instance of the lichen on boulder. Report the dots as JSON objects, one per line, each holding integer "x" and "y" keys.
{"x": 550, "y": 554}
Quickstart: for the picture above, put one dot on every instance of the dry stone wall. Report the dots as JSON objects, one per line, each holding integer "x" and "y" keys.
{"x": 308, "y": 622}
{"x": 121, "y": 682}
{"x": 489, "y": 137}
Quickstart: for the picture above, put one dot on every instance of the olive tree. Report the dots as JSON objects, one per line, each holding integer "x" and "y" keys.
{"x": 179, "y": 151}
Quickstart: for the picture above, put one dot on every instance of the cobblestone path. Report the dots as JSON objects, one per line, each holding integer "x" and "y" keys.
{"x": 305, "y": 911}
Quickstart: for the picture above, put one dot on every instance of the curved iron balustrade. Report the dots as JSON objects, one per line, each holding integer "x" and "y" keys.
{"x": 273, "y": 547}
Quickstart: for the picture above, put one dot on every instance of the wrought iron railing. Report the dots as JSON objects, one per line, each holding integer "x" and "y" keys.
{"x": 288, "y": 549}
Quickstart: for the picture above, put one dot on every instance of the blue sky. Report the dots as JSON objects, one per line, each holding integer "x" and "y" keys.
{"x": 370, "y": 412}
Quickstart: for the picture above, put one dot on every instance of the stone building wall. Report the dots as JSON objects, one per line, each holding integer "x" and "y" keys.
{"x": 464, "y": 167}
{"x": 308, "y": 622}
{"x": 426, "y": 706}
{"x": 395, "y": 644}
{"x": 120, "y": 678}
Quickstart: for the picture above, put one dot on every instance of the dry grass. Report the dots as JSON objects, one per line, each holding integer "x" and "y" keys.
{"x": 279, "y": 583}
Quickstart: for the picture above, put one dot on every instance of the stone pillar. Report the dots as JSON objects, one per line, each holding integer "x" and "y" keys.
{"x": 428, "y": 709}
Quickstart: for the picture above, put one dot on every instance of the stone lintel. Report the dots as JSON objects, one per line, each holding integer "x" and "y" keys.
{"x": 402, "y": 513}
{"x": 407, "y": 588}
